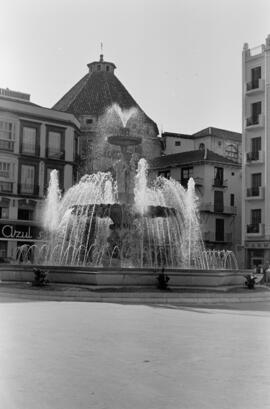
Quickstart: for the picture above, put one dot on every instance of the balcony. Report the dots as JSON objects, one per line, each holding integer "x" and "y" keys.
{"x": 6, "y": 145}
{"x": 256, "y": 229}
{"x": 217, "y": 182}
{"x": 255, "y": 157}
{"x": 214, "y": 208}
{"x": 254, "y": 87}
{"x": 255, "y": 121}
{"x": 255, "y": 193}
{"x": 28, "y": 189}
{"x": 210, "y": 236}
{"x": 199, "y": 181}
{"x": 6, "y": 187}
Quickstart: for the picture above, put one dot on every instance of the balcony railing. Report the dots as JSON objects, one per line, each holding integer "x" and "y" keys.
{"x": 257, "y": 156}
{"x": 217, "y": 182}
{"x": 6, "y": 187}
{"x": 254, "y": 86}
{"x": 255, "y": 192}
{"x": 212, "y": 237}
{"x": 255, "y": 228}
{"x": 212, "y": 208}
{"x": 198, "y": 180}
{"x": 255, "y": 120}
{"x": 28, "y": 189}
{"x": 6, "y": 145}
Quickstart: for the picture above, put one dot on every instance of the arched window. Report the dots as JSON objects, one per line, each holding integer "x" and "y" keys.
{"x": 232, "y": 152}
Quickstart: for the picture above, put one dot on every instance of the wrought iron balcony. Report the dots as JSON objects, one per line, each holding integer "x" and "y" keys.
{"x": 218, "y": 208}
{"x": 255, "y": 120}
{"x": 255, "y": 86}
{"x": 255, "y": 228}
{"x": 219, "y": 182}
{"x": 213, "y": 237}
{"x": 255, "y": 192}
{"x": 255, "y": 156}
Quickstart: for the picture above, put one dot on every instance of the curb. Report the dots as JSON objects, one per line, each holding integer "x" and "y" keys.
{"x": 134, "y": 297}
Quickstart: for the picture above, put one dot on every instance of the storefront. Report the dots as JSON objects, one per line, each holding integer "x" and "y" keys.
{"x": 258, "y": 253}
{"x": 15, "y": 234}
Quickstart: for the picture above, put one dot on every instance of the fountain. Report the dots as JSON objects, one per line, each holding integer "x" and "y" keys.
{"x": 127, "y": 222}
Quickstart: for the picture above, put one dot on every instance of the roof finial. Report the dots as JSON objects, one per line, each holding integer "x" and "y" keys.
{"x": 101, "y": 51}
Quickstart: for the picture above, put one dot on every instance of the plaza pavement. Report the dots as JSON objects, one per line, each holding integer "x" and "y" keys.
{"x": 100, "y": 355}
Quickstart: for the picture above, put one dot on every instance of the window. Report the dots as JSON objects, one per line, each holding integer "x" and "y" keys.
{"x": 99, "y": 67}
{"x": 25, "y": 214}
{"x": 256, "y": 110}
{"x": 256, "y": 146}
{"x": 54, "y": 144}
{"x": 232, "y": 152}
{"x": 218, "y": 179}
{"x": 218, "y": 201}
{"x": 219, "y": 229}
{"x": 7, "y": 135}
{"x": 256, "y": 216}
{"x": 89, "y": 121}
{"x": 186, "y": 174}
{"x": 256, "y": 180}
{"x": 165, "y": 173}
{"x": 202, "y": 146}
{"x": 5, "y": 169}
{"x": 232, "y": 199}
{"x": 107, "y": 68}
{"x": 177, "y": 143}
{"x": 3, "y": 212}
{"x": 29, "y": 140}
{"x": 27, "y": 185}
{"x": 219, "y": 143}
{"x": 256, "y": 74}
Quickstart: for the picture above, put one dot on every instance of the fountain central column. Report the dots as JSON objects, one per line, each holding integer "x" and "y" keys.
{"x": 124, "y": 172}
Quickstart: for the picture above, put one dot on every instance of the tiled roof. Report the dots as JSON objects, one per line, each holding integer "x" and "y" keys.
{"x": 210, "y": 131}
{"x": 176, "y": 135}
{"x": 21, "y": 101}
{"x": 94, "y": 93}
{"x": 185, "y": 158}
{"x": 221, "y": 133}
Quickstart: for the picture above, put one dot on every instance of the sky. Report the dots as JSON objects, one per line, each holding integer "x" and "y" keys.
{"x": 179, "y": 59}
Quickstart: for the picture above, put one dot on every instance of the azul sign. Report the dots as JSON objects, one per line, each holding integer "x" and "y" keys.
{"x": 20, "y": 232}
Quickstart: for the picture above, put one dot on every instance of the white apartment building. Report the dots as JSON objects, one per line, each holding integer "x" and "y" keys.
{"x": 33, "y": 141}
{"x": 217, "y": 181}
{"x": 256, "y": 153}
{"x": 221, "y": 141}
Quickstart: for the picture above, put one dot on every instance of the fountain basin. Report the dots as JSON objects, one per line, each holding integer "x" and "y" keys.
{"x": 122, "y": 277}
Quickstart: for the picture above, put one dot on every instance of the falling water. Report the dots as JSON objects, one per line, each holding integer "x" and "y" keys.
{"x": 51, "y": 209}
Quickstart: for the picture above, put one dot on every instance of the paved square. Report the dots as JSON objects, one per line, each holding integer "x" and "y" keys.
{"x": 67, "y": 355}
